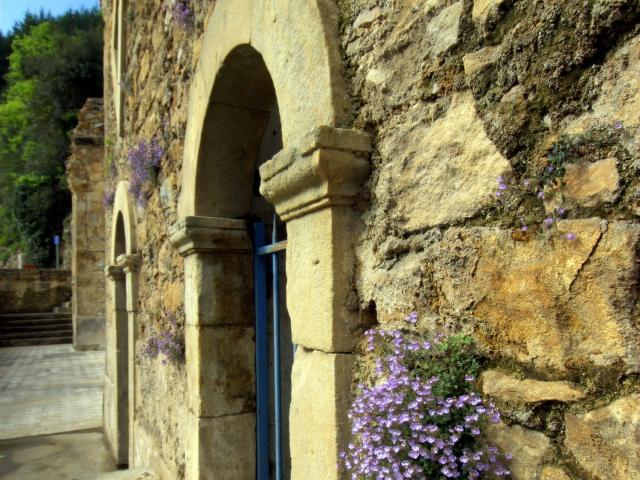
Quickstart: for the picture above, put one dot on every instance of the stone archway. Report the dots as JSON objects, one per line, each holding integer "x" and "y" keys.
{"x": 257, "y": 54}
{"x": 122, "y": 285}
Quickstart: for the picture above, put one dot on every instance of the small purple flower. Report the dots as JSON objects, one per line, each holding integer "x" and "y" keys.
{"x": 571, "y": 236}
{"x": 541, "y": 195}
{"x": 143, "y": 159}
{"x": 109, "y": 198}
{"x": 526, "y": 182}
{"x": 524, "y": 228}
{"x": 617, "y": 125}
{"x": 182, "y": 14}
{"x": 548, "y": 222}
{"x": 550, "y": 168}
{"x": 412, "y": 318}
{"x": 561, "y": 211}
{"x": 401, "y": 428}
{"x": 169, "y": 344}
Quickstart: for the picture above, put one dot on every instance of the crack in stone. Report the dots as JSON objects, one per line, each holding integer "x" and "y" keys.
{"x": 593, "y": 249}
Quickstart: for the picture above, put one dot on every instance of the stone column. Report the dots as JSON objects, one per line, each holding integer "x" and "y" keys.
{"x": 313, "y": 189}
{"x": 130, "y": 264}
{"x": 220, "y": 348}
{"x": 115, "y": 411}
{"x": 85, "y": 173}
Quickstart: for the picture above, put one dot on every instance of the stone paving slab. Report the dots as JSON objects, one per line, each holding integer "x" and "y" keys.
{"x": 49, "y": 389}
{"x": 64, "y": 456}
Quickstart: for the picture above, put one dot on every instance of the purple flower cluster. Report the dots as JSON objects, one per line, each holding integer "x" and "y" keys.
{"x": 143, "y": 159}
{"x": 169, "y": 344}
{"x": 182, "y": 14}
{"x": 108, "y": 198}
{"x": 402, "y": 429}
{"x": 526, "y": 188}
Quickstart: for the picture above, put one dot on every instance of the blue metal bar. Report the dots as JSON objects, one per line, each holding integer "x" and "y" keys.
{"x": 262, "y": 357}
{"x": 276, "y": 353}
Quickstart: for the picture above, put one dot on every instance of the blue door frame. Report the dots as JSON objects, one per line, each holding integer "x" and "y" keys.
{"x": 266, "y": 258}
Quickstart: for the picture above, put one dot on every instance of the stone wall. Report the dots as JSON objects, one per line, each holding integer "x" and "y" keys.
{"x": 161, "y": 57}
{"x": 33, "y": 291}
{"x": 454, "y": 95}
{"x": 85, "y": 174}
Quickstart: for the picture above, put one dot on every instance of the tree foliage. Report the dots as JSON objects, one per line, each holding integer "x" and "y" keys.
{"x": 53, "y": 66}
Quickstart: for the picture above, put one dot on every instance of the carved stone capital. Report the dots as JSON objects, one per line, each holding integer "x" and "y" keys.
{"x": 328, "y": 168}
{"x": 209, "y": 234}
{"x": 130, "y": 263}
{"x": 114, "y": 272}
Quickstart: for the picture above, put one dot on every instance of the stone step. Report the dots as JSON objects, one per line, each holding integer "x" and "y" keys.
{"x": 8, "y": 317}
{"x": 58, "y": 326}
{"x": 66, "y": 310}
{"x": 35, "y": 341}
{"x": 35, "y": 322}
{"x": 35, "y": 329}
{"x": 35, "y": 335}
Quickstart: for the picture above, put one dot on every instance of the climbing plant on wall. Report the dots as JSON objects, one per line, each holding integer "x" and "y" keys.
{"x": 418, "y": 415}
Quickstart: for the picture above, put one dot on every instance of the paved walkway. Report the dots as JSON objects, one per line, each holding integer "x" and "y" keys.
{"x": 63, "y": 456}
{"x": 49, "y": 389}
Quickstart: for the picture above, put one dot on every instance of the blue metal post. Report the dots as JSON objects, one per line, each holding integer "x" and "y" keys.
{"x": 276, "y": 354}
{"x": 262, "y": 357}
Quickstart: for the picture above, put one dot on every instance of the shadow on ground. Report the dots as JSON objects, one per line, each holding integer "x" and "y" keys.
{"x": 66, "y": 456}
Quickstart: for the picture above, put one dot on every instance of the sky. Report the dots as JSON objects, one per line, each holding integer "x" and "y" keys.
{"x": 12, "y": 10}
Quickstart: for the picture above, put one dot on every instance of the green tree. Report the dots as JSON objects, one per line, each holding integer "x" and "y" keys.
{"x": 55, "y": 64}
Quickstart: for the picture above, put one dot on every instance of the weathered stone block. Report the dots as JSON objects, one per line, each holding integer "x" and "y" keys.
{"x": 220, "y": 370}
{"x": 318, "y": 423}
{"x": 478, "y": 61}
{"x": 444, "y": 29}
{"x": 367, "y": 17}
{"x": 587, "y": 185}
{"x": 606, "y": 442}
{"x": 536, "y": 300}
{"x": 450, "y": 169}
{"x": 89, "y": 333}
{"x": 619, "y": 97}
{"x": 221, "y": 448}
{"x": 553, "y": 473}
{"x": 509, "y": 389}
{"x": 318, "y": 269}
{"x": 528, "y": 447}
{"x": 219, "y": 289}
{"x": 483, "y": 10}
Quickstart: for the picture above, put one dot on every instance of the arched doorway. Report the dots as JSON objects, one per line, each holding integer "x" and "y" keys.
{"x": 122, "y": 305}
{"x": 262, "y": 60}
{"x": 242, "y": 130}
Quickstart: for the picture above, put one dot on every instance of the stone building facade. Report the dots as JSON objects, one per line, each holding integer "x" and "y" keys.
{"x": 86, "y": 177}
{"x": 475, "y": 161}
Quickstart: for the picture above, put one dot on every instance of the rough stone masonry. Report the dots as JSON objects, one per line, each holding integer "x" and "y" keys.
{"x": 453, "y": 95}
